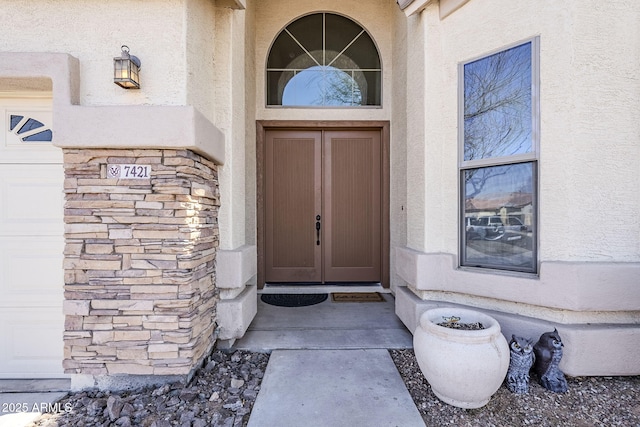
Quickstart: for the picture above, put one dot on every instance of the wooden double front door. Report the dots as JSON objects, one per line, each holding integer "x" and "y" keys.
{"x": 322, "y": 206}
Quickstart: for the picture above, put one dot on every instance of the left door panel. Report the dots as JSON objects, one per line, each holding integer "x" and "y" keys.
{"x": 293, "y": 200}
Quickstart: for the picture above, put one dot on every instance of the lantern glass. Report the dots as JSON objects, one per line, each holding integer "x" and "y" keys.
{"x": 126, "y": 71}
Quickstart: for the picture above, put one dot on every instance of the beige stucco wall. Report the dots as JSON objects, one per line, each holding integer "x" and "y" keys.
{"x": 200, "y": 36}
{"x": 590, "y": 135}
{"x": 230, "y": 117}
{"x": 174, "y": 39}
{"x": 250, "y": 129}
{"x": 398, "y": 156}
{"x": 94, "y": 32}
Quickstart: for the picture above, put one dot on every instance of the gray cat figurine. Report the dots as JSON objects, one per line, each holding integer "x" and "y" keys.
{"x": 522, "y": 358}
{"x": 548, "y": 351}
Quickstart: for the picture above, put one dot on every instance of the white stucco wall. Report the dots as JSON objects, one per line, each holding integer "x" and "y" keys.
{"x": 590, "y": 135}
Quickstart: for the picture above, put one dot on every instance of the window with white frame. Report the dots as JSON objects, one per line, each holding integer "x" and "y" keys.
{"x": 499, "y": 139}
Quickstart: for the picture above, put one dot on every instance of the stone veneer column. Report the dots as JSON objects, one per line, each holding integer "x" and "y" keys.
{"x": 140, "y": 293}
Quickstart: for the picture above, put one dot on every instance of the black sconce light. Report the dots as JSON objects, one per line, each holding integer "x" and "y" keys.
{"x": 126, "y": 69}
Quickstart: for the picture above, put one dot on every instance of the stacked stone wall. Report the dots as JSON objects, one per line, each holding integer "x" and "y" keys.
{"x": 140, "y": 294}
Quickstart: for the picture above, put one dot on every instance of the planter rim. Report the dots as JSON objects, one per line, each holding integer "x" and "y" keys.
{"x": 430, "y": 318}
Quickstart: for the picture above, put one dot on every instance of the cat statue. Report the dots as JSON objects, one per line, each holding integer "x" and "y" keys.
{"x": 522, "y": 359}
{"x": 548, "y": 352}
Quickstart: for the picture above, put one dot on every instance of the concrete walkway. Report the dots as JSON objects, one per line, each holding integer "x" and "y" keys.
{"x": 330, "y": 366}
{"x": 333, "y": 388}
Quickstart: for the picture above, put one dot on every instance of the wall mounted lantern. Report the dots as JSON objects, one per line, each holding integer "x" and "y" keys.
{"x": 126, "y": 69}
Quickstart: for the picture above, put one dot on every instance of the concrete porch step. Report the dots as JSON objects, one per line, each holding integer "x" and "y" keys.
{"x": 328, "y": 325}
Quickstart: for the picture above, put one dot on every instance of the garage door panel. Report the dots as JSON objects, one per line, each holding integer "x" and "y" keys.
{"x": 31, "y": 240}
{"x": 31, "y": 271}
{"x": 32, "y": 343}
{"x": 32, "y": 200}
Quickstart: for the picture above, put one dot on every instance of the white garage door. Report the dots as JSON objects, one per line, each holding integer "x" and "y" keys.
{"x": 31, "y": 241}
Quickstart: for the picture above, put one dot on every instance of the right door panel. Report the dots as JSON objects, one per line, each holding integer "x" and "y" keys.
{"x": 351, "y": 204}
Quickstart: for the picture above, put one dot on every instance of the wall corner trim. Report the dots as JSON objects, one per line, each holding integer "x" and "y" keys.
{"x": 61, "y": 68}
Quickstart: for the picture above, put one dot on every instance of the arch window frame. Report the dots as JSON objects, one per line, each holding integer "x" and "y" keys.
{"x": 366, "y": 82}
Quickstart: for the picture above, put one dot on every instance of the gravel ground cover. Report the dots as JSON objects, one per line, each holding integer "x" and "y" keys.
{"x": 590, "y": 401}
{"x": 222, "y": 394}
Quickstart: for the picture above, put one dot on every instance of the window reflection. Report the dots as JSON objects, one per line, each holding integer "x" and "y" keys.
{"x": 497, "y": 105}
{"x": 499, "y": 223}
{"x": 322, "y": 86}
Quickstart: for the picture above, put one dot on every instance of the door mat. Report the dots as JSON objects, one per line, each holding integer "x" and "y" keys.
{"x": 357, "y": 297}
{"x": 293, "y": 300}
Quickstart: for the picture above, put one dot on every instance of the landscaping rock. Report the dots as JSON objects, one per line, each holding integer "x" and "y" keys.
{"x": 206, "y": 401}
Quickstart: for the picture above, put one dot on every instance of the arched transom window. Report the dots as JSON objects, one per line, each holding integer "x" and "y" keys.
{"x": 324, "y": 60}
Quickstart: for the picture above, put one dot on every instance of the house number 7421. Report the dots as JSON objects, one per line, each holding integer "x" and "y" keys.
{"x": 126, "y": 171}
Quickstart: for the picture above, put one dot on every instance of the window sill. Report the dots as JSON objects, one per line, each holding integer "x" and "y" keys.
{"x": 499, "y": 272}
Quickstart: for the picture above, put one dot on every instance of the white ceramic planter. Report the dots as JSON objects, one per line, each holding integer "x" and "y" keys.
{"x": 464, "y": 367}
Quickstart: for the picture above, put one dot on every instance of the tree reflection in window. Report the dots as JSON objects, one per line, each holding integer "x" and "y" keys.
{"x": 497, "y": 104}
{"x": 323, "y": 59}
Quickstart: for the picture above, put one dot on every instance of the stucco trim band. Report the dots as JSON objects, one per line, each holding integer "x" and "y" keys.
{"x": 236, "y": 267}
{"x": 235, "y": 315}
{"x": 134, "y": 127}
{"x": 577, "y": 286}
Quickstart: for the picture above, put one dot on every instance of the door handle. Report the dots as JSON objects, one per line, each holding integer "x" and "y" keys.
{"x": 318, "y": 230}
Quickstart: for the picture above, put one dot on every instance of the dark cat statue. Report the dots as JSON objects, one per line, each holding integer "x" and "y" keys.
{"x": 520, "y": 363}
{"x": 548, "y": 352}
